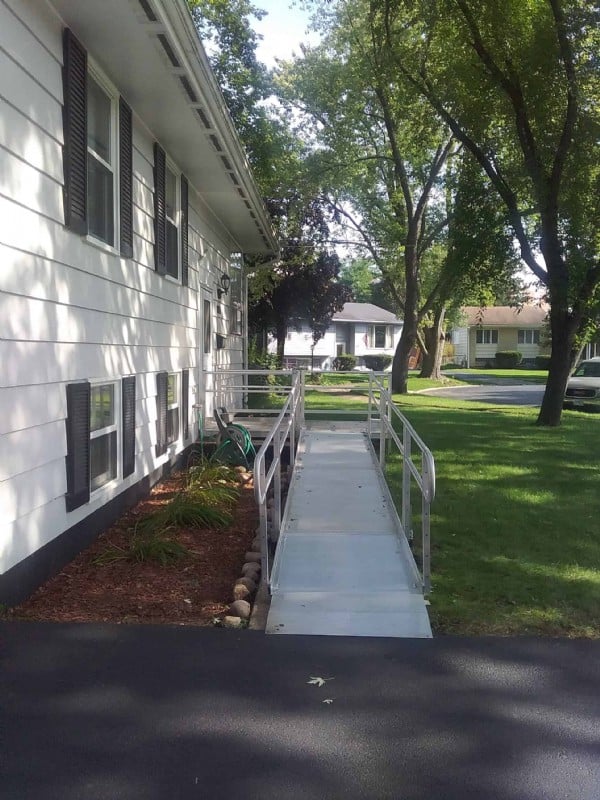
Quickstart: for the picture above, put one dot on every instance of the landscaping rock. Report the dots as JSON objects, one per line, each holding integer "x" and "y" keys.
{"x": 256, "y": 544}
{"x": 251, "y": 570}
{"x": 241, "y": 592}
{"x": 252, "y": 557}
{"x": 240, "y": 608}
{"x": 232, "y": 622}
{"x": 248, "y": 582}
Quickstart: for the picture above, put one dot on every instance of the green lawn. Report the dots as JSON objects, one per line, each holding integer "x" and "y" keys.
{"x": 516, "y": 520}
{"x": 515, "y": 525}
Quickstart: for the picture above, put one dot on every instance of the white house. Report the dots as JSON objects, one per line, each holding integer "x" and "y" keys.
{"x": 126, "y": 202}
{"x": 487, "y": 330}
{"x": 359, "y": 329}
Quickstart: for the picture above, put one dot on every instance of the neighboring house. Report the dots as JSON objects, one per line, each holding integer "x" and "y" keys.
{"x": 125, "y": 204}
{"x": 488, "y": 330}
{"x": 360, "y": 329}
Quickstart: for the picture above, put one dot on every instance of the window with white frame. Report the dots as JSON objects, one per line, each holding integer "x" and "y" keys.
{"x": 380, "y": 337}
{"x": 104, "y": 440}
{"x": 487, "y": 336}
{"x": 101, "y": 160}
{"x": 172, "y": 221}
{"x": 528, "y": 337}
{"x": 172, "y": 407}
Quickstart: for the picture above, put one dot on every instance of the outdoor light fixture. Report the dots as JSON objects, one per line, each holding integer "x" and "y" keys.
{"x": 224, "y": 287}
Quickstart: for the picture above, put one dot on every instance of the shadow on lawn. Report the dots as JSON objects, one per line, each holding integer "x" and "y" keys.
{"x": 515, "y": 542}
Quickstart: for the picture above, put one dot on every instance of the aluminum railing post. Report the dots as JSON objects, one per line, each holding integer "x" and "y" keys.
{"x": 369, "y": 412}
{"x": 277, "y": 484}
{"x": 406, "y": 508}
{"x": 425, "y": 533}
{"x": 264, "y": 528}
{"x": 382, "y": 430}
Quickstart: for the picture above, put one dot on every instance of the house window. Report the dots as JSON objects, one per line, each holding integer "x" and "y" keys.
{"x": 172, "y": 223}
{"x": 172, "y": 407}
{"x": 103, "y": 435}
{"x": 101, "y": 162}
{"x": 380, "y": 337}
{"x": 528, "y": 337}
{"x": 487, "y": 336}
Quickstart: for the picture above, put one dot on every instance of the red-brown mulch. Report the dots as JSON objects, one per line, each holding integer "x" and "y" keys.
{"x": 193, "y": 591}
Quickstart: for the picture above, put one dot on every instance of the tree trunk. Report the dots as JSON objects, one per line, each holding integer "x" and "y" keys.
{"x": 434, "y": 343}
{"x": 564, "y": 330}
{"x": 280, "y": 334}
{"x": 408, "y": 337}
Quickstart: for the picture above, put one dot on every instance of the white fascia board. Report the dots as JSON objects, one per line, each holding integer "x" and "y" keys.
{"x": 176, "y": 15}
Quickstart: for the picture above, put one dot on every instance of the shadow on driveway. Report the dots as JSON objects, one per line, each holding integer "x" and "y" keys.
{"x": 92, "y": 712}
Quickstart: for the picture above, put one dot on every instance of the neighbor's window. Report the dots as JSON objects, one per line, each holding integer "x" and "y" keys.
{"x": 100, "y": 162}
{"x": 172, "y": 214}
{"x": 103, "y": 435}
{"x": 487, "y": 336}
{"x": 528, "y": 337}
{"x": 380, "y": 336}
{"x": 172, "y": 407}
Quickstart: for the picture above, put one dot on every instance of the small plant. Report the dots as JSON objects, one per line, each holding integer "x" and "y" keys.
{"x": 344, "y": 363}
{"x": 377, "y": 363}
{"x": 186, "y": 511}
{"x": 508, "y": 359}
{"x": 142, "y": 548}
{"x": 542, "y": 362}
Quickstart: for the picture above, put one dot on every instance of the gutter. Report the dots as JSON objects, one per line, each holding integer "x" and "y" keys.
{"x": 176, "y": 16}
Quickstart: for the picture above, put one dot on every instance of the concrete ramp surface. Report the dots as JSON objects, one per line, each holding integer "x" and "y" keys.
{"x": 343, "y": 565}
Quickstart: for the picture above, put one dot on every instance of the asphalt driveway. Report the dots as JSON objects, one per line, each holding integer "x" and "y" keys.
{"x": 92, "y": 712}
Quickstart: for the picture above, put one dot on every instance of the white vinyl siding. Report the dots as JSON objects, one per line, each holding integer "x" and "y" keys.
{"x": 74, "y": 311}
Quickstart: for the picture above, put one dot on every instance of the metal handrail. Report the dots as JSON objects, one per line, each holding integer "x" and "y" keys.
{"x": 425, "y": 477}
{"x": 230, "y": 384}
{"x": 288, "y": 424}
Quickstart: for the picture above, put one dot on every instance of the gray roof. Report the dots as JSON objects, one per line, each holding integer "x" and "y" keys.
{"x": 366, "y": 312}
{"x": 506, "y": 315}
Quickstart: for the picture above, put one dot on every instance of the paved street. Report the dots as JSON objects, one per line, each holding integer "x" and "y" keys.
{"x": 503, "y": 394}
{"x": 98, "y": 712}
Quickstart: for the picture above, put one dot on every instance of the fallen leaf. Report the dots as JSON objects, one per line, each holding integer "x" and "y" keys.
{"x": 329, "y": 701}
{"x": 318, "y": 681}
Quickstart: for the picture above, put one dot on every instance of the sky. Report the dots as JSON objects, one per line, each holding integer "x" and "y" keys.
{"x": 282, "y": 29}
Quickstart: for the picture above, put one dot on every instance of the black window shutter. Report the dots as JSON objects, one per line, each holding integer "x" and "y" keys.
{"x": 75, "y": 133}
{"x": 185, "y": 391}
{"x": 78, "y": 445}
{"x": 160, "y": 210}
{"x": 128, "y": 406}
{"x": 184, "y": 230}
{"x": 161, "y": 413}
{"x": 126, "y": 179}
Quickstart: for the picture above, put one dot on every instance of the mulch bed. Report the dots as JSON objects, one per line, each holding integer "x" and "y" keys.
{"x": 193, "y": 591}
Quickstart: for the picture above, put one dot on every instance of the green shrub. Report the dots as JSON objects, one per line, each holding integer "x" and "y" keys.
{"x": 144, "y": 547}
{"x": 508, "y": 359}
{"x": 377, "y": 363}
{"x": 542, "y": 362}
{"x": 452, "y": 365}
{"x": 344, "y": 363}
{"x": 184, "y": 510}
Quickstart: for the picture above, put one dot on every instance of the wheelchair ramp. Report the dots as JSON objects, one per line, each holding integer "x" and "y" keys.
{"x": 343, "y": 566}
